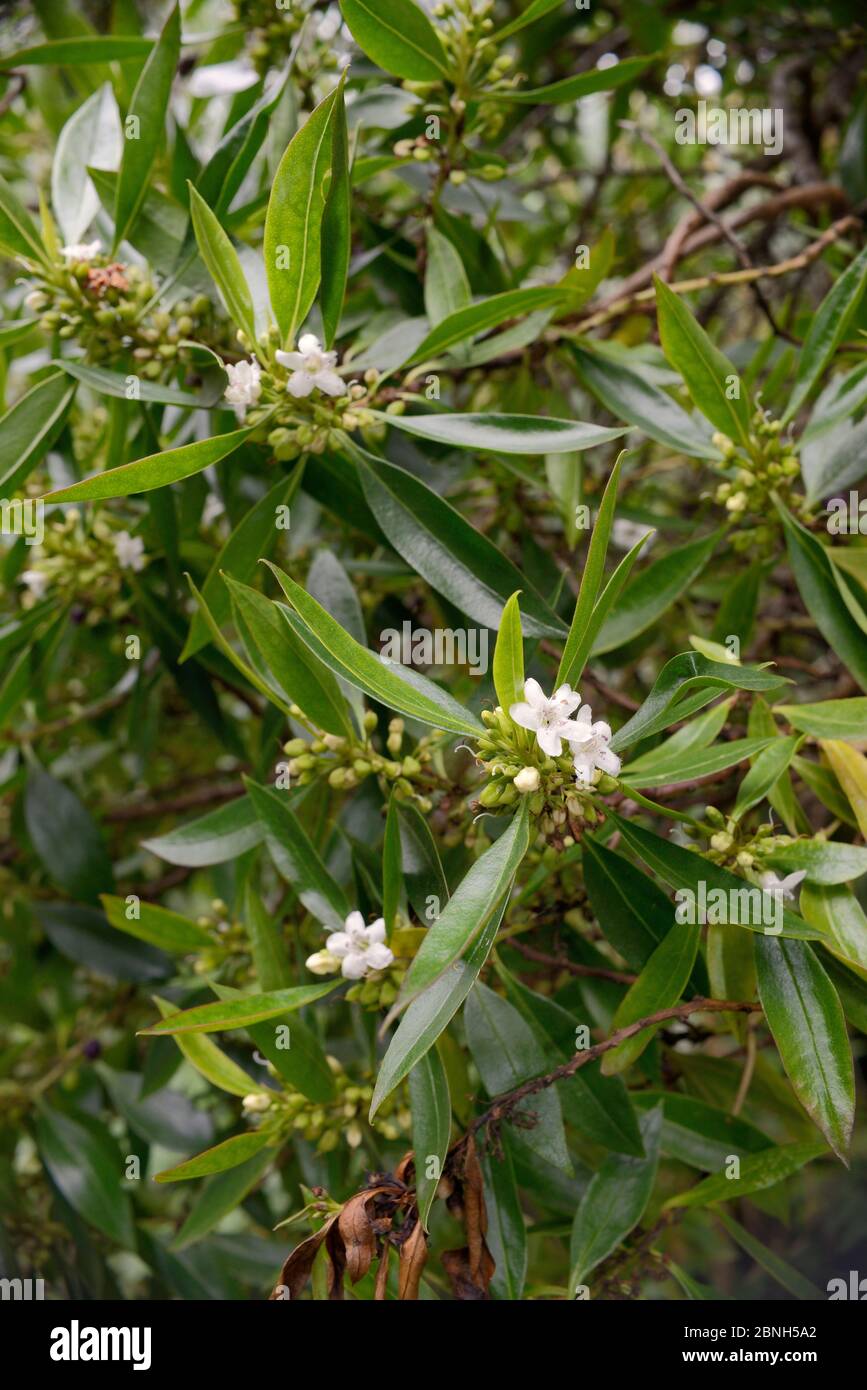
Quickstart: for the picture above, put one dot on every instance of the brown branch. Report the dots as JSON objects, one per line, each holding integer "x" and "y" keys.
{"x": 503, "y": 1106}
{"x": 203, "y": 796}
{"x": 598, "y": 972}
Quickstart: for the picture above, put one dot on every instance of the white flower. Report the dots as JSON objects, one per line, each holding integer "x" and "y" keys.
{"x": 221, "y": 79}
{"x": 35, "y": 582}
{"x": 244, "y": 386}
{"x": 358, "y": 949}
{"x": 590, "y": 748}
{"x": 311, "y": 368}
{"x": 528, "y": 779}
{"x": 82, "y": 250}
{"x": 548, "y": 719}
{"x": 256, "y": 1103}
{"x": 129, "y": 551}
{"x": 782, "y": 887}
{"x": 323, "y": 963}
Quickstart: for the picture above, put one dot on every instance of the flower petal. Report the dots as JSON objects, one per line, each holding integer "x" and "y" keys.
{"x": 549, "y": 741}
{"x": 354, "y": 966}
{"x": 525, "y": 715}
{"x": 293, "y": 360}
{"x": 379, "y": 956}
{"x": 339, "y": 943}
{"x": 376, "y": 931}
{"x": 308, "y": 342}
{"x": 534, "y": 694}
{"x": 300, "y": 384}
{"x": 329, "y": 382}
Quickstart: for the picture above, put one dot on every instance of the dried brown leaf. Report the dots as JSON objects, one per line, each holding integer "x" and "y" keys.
{"x": 413, "y": 1258}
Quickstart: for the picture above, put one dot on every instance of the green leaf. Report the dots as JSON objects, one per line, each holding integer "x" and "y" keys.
{"x": 604, "y": 605}
{"x": 116, "y": 384}
{"x": 166, "y": 1117}
{"x": 92, "y": 135}
{"x": 471, "y": 906}
{"x": 398, "y": 36}
{"x": 828, "y": 328}
{"x": 336, "y": 226}
{"x": 806, "y": 1019}
{"x": 270, "y": 956}
{"x": 19, "y": 238}
{"x": 96, "y": 48}
{"x": 613, "y": 1203}
{"x": 167, "y": 930}
{"x": 241, "y": 1012}
{"x": 825, "y": 861}
{"x": 208, "y": 1059}
{"x": 296, "y": 859}
{"x": 577, "y": 646}
{"x": 221, "y": 1194}
{"x": 297, "y": 674}
{"x": 503, "y": 434}
{"x": 253, "y": 537}
{"x": 455, "y": 559}
{"x": 392, "y": 875}
{"x": 850, "y": 769}
{"x": 83, "y": 1161}
{"x": 144, "y": 127}
{"x": 446, "y": 287}
{"x": 758, "y": 1171}
{"x": 221, "y": 258}
{"x": 157, "y": 470}
{"x": 814, "y": 575}
{"x": 65, "y": 838}
{"x": 470, "y": 319}
{"x": 506, "y": 1235}
{"x": 431, "y": 1011}
{"x": 630, "y": 396}
{"x": 688, "y": 765}
{"x": 778, "y": 1268}
{"x": 506, "y": 1052}
{"x": 703, "y": 367}
{"x": 293, "y": 222}
{"x": 837, "y": 913}
{"x": 508, "y": 666}
{"x": 685, "y": 673}
{"x": 294, "y": 1051}
{"x": 681, "y": 869}
{"x": 409, "y": 694}
{"x": 431, "y": 1126}
{"x": 29, "y": 429}
{"x": 535, "y": 10}
{"x": 583, "y": 84}
{"x": 232, "y": 1152}
{"x": 764, "y": 774}
{"x": 215, "y": 838}
{"x": 420, "y": 862}
{"x": 661, "y": 983}
{"x": 653, "y": 592}
{"x": 634, "y": 914}
{"x": 699, "y": 1134}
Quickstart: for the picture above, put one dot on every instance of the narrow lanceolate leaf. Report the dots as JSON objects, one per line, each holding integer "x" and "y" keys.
{"x": 162, "y": 928}
{"x": 507, "y": 1053}
{"x": 232, "y": 1152}
{"x": 679, "y": 679}
{"x": 660, "y": 984}
{"x": 144, "y": 126}
{"x": 157, "y": 470}
{"x": 293, "y": 223}
{"x": 415, "y": 696}
{"x": 681, "y": 869}
{"x": 84, "y": 1162}
{"x": 688, "y": 765}
{"x": 292, "y": 1048}
{"x": 535, "y": 10}
{"x": 614, "y": 1202}
{"x": 778, "y": 1268}
{"x": 628, "y": 395}
{"x": 509, "y": 657}
{"x": 336, "y": 226}
{"x": 19, "y": 237}
{"x": 398, "y": 36}
{"x": 814, "y": 575}
{"x": 764, "y": 774}
{"x": 576, "y": 646}
{"x": 420, "y": 866}
{"x": 455, "y": 559}
{"x": 583, "y": 84}
{"x": 757, "y": 1172}
{"x": 506, "y": 1236}
{"x": 221, "y": 1194}
{"x": 214, "y": 838}
{"x": 208, "y": 1059}
{"x": 240, "y": 1013}
{"x": 446, "y": 287}
{"x": 827, "y": 330}
{"x": 806, "y": 1018}
{"x": 91, "y": 136}
{"x": 470, "y": 908}
{"x": 503, "y": 434}
{"x": 431, "y": 1127}
{"x": 850, "y": 768}
{"x": 296, "y": 858}
{"x": 93, "y": 48}
{"x": 431, "y": 1012}
{"x": 711, "y": 379}
{"x": 835, "y": 910}
{"x": 652, "y": 592}
{"x": 117, "y": 384}
{"x": 222, "y": 261}
{"x": 29, "y": 429}
{"x": 470, "y": 319}
{"x": 823, "y": 861}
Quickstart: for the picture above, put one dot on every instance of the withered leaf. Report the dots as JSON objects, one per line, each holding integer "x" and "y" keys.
{"x": 469, "y": 1284}
{"x": 358, "y": 1237}
{"x": 298, "y": 1265}
{"x": 413, "y": 1258}
{"x": 382, "y": 1275}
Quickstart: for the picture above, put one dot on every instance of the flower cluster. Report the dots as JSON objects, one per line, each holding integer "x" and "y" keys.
{"x": 733, "y": 846}
{"x": 84, "y": 561}
{"x": 769, "y": 465}
{"x": 347, "y": 761}
{"x": 329, "y": 1123}
{"x": 110, "y": 309}
{"x": 360, "y": 953}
